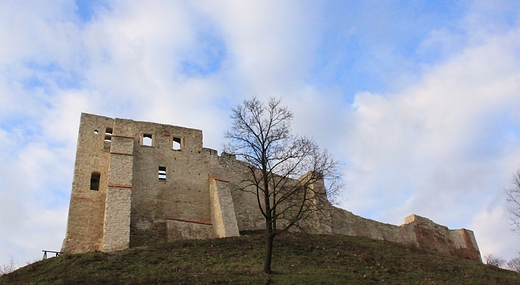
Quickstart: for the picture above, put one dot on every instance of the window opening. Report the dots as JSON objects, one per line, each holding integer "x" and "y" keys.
{"x": 94, "y": 180}
{"x": 162, "y": 172}
{"x": 147, "y": 140}
{"x": 108, "y": 137}
{"x": 96, "y": 132}
{"x": 177, "y": 143}
{"x": 108, "y": 134}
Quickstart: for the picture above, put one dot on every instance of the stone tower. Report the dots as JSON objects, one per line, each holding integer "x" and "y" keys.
{"x": 137, "y": 183}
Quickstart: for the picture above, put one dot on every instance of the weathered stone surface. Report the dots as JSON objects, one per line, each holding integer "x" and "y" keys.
{"x": 222, "y": 209}
{"x": 188, "y": 230}
{"x": 116, "y": 230}
{"x": 157, "y": 183}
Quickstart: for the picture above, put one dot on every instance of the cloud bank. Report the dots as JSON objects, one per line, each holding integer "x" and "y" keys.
{"x": 417, "y": 100}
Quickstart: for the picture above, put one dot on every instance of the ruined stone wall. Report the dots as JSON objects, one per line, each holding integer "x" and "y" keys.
{"x": 416, "y": 230}
{"x": 116, "y": 230}
{"x": 465, "y": 244}
{"x": 460, "y": 242}
{"x": 154, "y": 186}
{"x": 157, "y": 183}
{"x": 180, "y": 196}
{"x": 247, "y": 215}
{"x": 87, "y": 207}
{"x": 222, "y": 209}
{"x": 346, "y": 223}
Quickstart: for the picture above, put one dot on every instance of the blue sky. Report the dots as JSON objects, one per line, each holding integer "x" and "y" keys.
{"x": 418, "y": 99}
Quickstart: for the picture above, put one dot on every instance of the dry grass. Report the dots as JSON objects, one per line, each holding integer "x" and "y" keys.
{"x": 298, "y": 259}
{"x": 8, "y": 267}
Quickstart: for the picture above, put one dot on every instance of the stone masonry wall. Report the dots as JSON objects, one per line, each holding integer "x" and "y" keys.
{"x": 157, "y": 184}
{"x": 116, "y": 231}
{"x": 117, "y": 222}
{"x": 222, "y": 209}
{"x": 162, "y": 206}
{"x": 417, "y": 231}
{"x": 87, "y": 207}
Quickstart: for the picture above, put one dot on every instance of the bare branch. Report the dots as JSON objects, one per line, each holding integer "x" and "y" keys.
{"x": 514, "y": 264}
{"x": 513, "y": 197}
{"x": 287, "y": 172}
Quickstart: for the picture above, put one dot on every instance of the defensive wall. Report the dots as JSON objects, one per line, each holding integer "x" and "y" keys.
{"x": 139, "y": 183}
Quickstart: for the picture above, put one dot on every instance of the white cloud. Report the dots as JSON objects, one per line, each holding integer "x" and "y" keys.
{"x": 270, "y": 43}
{"x": 438, "y": 148}
{"x": 29, "y": 216}
{"x": 442, "y": 146}
{"x": 494, "y": 232}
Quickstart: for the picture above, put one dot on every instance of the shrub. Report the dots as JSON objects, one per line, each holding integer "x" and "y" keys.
{"x": 492, "y": 260}
{"x": 8, "y": 267}
{"x": 514, "y": 264}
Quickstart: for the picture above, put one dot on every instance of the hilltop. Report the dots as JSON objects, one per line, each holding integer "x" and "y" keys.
{"x": 298, "y": 259}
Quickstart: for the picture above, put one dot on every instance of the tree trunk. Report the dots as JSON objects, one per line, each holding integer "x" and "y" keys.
{"x": 269, "y": 237}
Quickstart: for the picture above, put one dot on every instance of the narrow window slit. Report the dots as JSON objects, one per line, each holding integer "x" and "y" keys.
{"x": 108, "y": 134}
{"x": 108, "y": 138}
{"x": 162, "y": 172}
{"x": 94, "y": 181}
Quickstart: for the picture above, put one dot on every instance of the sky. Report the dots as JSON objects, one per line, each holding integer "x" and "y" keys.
{"x": 417, "y": 99}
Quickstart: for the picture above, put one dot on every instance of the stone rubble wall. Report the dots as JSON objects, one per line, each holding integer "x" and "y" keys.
{"x": 188, "y": 230}
{"x": 416, "y": 230}
{"x": 160, "y": 192}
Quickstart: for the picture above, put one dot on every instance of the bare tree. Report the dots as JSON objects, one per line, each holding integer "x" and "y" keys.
{"x": 8, "y": 267}
{"x": 513, "y": 197}
{"x": 514, "y": 264}
{"x": 284, "y": 170}
{"x": 492, "y": 260}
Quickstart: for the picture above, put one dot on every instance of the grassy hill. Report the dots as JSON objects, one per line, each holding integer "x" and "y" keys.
{"x": 298, "y": 259}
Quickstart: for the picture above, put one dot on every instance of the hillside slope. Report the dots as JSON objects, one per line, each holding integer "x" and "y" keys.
{"x": 298, "y": 259}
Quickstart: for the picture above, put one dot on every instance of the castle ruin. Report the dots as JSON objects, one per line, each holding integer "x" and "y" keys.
{"x": 140, "y": 183}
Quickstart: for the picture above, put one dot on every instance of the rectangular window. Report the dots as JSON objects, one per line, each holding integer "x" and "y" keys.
{"x": 147, "y": 139}
{"x": 162, "y": 172}
{"x": 108, "y": 134}
{"x": 177, "y": 143}
{"x": 108, "y": 137}
{"x": 94, "y": 180}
